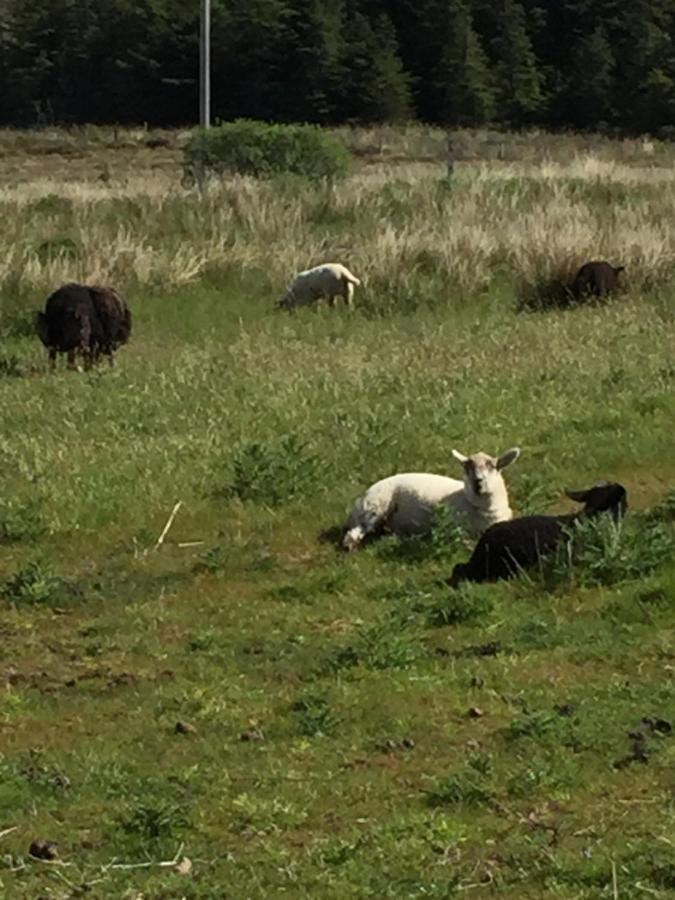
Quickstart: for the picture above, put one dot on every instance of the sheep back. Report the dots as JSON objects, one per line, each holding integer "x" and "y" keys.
{"x": 70, "y": 321}
{"x": 114, "y": 316}
{"x": 91, "y": 319}
{"x": 508, "y": 547}
{"x": 403, "y": 504}
{"x": 327, "y": 280}
{"x": 597, "y": 278}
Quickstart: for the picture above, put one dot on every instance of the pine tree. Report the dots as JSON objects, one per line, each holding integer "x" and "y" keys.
{"x": 465, "y": 92}
{"x": 313, "y": 46}
{"x": 376, "y": 88}
{"x": 521, "y": 97}
{"x": 249, "y": 63}
{"x": 591, "y": 80}
{"x": 646, "y": 85}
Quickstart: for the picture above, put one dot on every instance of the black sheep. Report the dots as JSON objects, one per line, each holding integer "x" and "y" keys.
{"x": 83, "y": 319}
{"x": 596, "y": 278}
{"x": 507, "y": 548}
{"x": 114, "y": 318}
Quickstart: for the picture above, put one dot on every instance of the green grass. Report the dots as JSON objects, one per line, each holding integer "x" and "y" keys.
{"x": 372, "y": 779}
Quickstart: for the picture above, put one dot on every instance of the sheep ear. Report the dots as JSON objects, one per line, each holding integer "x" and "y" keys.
{"x": 508, "y": 457}
{"x": 459, "y": 456}
{"x": 577, "y": 496}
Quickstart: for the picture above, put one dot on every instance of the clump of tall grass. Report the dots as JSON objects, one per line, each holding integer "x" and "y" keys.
{"x": 416, "y": 239}
{"x": 603, "y": 552}
{"x": 271, "y": 473}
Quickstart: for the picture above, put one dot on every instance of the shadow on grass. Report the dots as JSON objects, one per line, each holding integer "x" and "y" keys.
{"x": 332, "y": 535}
{"x": 547, "y": 294}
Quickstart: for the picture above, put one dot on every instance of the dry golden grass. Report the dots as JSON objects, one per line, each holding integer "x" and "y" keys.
{"x": 101, "y": 205}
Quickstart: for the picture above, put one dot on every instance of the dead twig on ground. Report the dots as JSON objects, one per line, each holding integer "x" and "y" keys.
{"x": 169, "y": 523}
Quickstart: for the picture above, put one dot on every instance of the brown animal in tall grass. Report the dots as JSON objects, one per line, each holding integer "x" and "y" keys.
{"x": 596, "y": 278}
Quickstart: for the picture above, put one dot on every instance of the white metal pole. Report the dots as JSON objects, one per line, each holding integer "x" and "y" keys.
{"x": 205, "y": 66}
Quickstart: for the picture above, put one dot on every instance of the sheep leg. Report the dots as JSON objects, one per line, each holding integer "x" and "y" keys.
{"x": 72, "y": 362}
{"x": 52, "y": 359}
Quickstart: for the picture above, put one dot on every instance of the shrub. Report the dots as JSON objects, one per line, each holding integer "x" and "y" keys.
{"x": 255, "y": 148}
{"x": 471, "y": 785}
{"x": 664, "y": 511}
{"x": 385, "y": 646}
{"x": 468, "y": 604}
{"x": 271, "y": 473}
{"x": 33, "y": 584}
{"x": 389, "y": 644}
{"x": 20, "y": 521}
{"x": 314, "y": 715}
{"x": 602, "y": 552}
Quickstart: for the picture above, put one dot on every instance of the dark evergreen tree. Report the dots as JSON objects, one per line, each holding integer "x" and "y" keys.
{"x": 520, "y": 80}
{"x": 250, "y": 68}
{"x": 376, "y": 87}
{"x": 646, "y": 83}
{"x": 591, "y": 80}
{"x": 463, "y": 82}
{"x": 514, "y": 62}
{"x": 315, "y": 69}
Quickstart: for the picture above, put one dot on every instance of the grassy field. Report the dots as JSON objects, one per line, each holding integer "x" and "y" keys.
{"x": 350, "y": 728}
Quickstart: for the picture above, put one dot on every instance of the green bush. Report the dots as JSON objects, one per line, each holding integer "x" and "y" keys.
{"x": 314, "y": 716}
{"x": 271, "y": 473}
{"x": 468, "y": 604}
{"x": 603, "y": 552}
{"x": 255, "y": 148}
{"x": 33, "y": 585}
{"x": 471, "y": 785}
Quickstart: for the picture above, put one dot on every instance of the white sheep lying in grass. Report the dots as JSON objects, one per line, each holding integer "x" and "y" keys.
{"x": 330, "y": 280}
{"x": 404, "y": 504}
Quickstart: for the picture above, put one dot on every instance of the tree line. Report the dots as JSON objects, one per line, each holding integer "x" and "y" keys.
{"x": 555, "y": 63}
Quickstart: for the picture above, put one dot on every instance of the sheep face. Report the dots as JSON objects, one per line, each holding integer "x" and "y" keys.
{"x": 482, "y": 472}
{"x": 353, "y": 538}
{"x": 605, "y": 496}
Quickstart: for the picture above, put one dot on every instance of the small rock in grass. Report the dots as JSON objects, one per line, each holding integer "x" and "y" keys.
{"x": 475, "y": 712}
{"x": 564, "y": 709}
{"x": 40, "y": 849}
{"x": 184, "y": 867}
{"x": 408, "y": 743}
{"x": 254, "y": 734}
{"x": 185, "y": 728}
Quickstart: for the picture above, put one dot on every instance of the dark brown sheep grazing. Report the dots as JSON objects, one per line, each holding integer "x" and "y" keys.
{"x": 114, "y": 318}
{"x": 84, "y": 319}
{"x": 596, "y": 278}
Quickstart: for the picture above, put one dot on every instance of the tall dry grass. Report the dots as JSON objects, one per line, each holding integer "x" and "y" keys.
{"x": 409, "y": 233}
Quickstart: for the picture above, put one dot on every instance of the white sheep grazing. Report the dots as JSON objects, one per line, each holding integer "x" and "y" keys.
{"x": 404, "y": 504}
{"x": 329, "y": 280}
